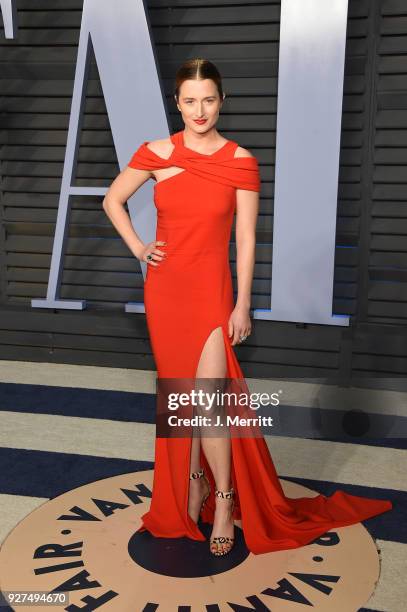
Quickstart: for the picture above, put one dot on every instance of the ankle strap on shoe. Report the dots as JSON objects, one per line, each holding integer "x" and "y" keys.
{"x": 225, "y": 494}
{"x": 197, "y": 474}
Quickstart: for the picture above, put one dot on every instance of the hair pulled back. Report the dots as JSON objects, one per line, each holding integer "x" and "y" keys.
{"x": 197, "y": 68}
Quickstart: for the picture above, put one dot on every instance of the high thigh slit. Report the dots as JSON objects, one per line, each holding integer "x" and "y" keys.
{"x": 204, "y": 347}
{"x": 186, "y": 297}
{"x": 202, "y": 381}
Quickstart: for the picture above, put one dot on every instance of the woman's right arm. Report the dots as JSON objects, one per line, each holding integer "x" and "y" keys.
{"x": 122, "y": 188}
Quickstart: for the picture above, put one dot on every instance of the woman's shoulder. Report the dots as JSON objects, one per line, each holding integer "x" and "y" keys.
{"x": 162, "y": 147}
{"x": 242, "y": 152}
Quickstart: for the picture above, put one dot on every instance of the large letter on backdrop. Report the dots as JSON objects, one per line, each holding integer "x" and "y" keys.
{"x": 120, "y": 35}
{"x": 9, "y": 14}
{"x": 310, "y": 92}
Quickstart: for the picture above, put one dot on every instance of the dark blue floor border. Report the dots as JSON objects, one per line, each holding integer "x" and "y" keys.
{"x": 292, "y": 421}
{"x": 78, "y": 402}
{"x": 48, "y": 474}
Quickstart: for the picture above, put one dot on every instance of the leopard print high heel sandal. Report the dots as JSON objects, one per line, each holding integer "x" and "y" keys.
{"x": 224, "y": 539}
{"x": 200, "y": 474}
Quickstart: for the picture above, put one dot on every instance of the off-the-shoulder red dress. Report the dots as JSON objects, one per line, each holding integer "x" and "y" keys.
{"x": 186, "y": 296}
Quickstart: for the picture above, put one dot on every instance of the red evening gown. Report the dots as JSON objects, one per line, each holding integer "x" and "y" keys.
{"x": 186, "y": 296}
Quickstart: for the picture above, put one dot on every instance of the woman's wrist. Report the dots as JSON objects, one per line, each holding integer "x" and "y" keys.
{"x": 138, "y": 250}
{"x": 243, "y": 304}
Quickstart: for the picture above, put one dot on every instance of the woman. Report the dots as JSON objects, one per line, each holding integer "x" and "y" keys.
{"x": 202, "y": 180}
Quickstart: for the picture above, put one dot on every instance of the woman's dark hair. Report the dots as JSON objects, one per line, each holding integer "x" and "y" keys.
{"x": 197, "y": 68}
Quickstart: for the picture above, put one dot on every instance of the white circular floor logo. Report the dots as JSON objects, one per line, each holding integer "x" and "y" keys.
{"x": 84, "y": 543}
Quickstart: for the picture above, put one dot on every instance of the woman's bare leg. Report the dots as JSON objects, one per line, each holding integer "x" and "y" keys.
{"x": 197, "y": 486}
{"x": 195, "y": 454}
{"x": 212, "y": 364}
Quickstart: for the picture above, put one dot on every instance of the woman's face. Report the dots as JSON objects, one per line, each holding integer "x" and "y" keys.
{"x": 199, "y": 99}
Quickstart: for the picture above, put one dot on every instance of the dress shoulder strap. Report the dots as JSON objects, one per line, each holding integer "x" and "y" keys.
{"x": 175, "y": 138}
{"x": 232, "y": 147}
{"x": 145, "y": 159}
